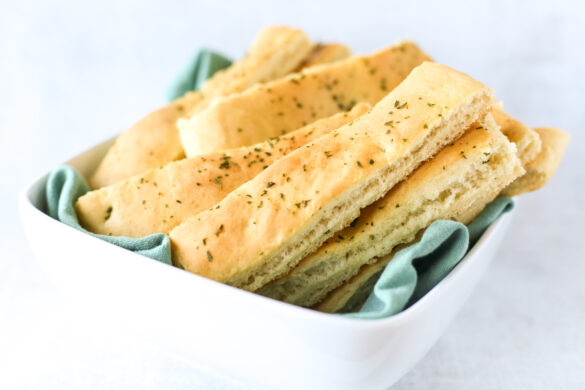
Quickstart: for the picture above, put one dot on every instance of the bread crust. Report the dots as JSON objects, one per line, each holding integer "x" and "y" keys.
{"x": 543, "y": 167}
{"x": 525, "y": 138}
{"x": 154, "y": 141}
{"x": 278, "y": 107}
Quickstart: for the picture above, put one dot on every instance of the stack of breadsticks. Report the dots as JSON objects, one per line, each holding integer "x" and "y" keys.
{"x": 299, "y": 171}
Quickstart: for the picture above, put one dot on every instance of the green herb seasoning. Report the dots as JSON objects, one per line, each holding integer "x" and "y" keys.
{"x": 209, "y": 257}
{"x": 108, "y": 213}
{"x": 399, "y": 106}
{"x": 219, "y": 230}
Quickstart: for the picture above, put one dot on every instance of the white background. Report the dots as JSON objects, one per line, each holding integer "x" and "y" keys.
{"x": 75, "y": 73}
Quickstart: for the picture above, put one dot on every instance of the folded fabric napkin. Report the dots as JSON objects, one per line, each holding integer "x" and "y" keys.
{"x": 202, "y": 66}
{"x": 412, "y": 272}
{"x": 65, "y": 185}
{"x": 416, "y": 269}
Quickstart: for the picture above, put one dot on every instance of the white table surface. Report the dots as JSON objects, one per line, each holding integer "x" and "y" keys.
{"x": 72, "y": 74}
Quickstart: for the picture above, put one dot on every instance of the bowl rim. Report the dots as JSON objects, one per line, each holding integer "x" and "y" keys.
{"x": 26, "y": 203}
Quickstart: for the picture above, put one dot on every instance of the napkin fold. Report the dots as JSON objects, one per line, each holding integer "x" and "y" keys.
{"x": 65, "y": 185}
{"x": 416, "y": 269}
{"x": 412, "y": 272}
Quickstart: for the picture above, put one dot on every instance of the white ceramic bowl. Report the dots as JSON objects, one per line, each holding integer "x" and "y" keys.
{"x": 243, "y": 335}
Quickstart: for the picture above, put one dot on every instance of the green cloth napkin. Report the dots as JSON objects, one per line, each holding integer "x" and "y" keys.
{"x": 411, "y": 274}
{"x": 201, "y": 67}
{"x": 416, "y": 269}
{"x": 65, "y": 185}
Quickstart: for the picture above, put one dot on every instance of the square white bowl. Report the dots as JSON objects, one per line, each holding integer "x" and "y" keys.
{"x": 256, "y": 339}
